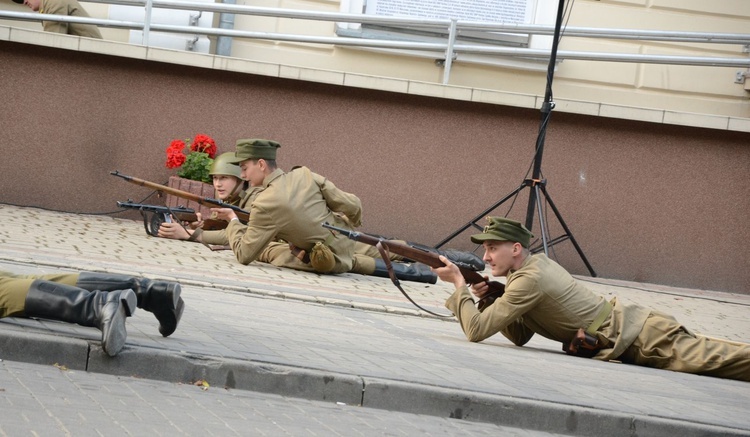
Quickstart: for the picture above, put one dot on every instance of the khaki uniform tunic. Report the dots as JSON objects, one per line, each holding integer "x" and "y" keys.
{"x": 219, "y": 237}
{"x": 292, "y": 207}
{"x": 542, "y": 298}
{"x": 73, "y": 9}
{"x": 278, "y": 253}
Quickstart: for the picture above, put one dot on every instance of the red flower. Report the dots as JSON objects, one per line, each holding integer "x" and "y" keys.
{"x": 192, "y": 158}
{"x": 176, "y": 145}
{"x": 175, "y": 156}
{"x": 204, "y": 143}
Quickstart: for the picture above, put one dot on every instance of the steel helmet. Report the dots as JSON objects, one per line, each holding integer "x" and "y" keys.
{"x": 222, "y": 166}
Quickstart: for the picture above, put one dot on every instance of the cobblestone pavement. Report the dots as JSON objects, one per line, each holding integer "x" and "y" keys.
{"x": 354, "y": 339}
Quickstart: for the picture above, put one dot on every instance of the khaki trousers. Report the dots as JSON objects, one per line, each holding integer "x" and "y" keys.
{"x": 278, "y": 254}
{"x": 13, "y": 290}
{"x": 665, "y": 344}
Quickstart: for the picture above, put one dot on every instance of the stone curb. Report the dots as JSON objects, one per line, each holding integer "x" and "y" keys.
{"x": 320, "y": 385}
{"x": 17, "y": 345}
{"x": 522, "y": 413}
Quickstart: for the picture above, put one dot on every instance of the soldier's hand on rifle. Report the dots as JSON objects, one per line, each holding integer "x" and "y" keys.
{"x": 481, "y": 289}
{"x": 225, "y": 214}
{"x": 174, "y": 231}
{"x": 449, "y": 273}
{"x": 196, "y": 224}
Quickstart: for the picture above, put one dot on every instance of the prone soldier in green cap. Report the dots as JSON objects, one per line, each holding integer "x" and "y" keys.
{"x": 541, "y": 297}
{"x": 292, "y": 207}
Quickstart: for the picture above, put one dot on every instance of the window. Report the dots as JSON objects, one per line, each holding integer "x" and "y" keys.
{"x": 486, "y": 11}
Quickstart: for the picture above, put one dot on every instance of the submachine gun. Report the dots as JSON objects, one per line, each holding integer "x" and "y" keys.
{"x": 154, "y": 216}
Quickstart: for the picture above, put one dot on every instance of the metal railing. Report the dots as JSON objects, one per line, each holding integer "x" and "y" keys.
{"x": 448, "y": 50}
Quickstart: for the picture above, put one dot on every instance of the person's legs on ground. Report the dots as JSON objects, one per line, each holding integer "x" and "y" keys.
{"x": 106, "y": 311}
{"x": 162, "y": 298}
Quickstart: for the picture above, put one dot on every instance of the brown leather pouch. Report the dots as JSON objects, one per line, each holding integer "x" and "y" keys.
{"x": 582, "y": 345}
{"x": 300, "y": 254}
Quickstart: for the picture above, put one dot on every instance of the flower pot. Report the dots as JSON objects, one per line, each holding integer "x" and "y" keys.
{"x": 195, "y": 187}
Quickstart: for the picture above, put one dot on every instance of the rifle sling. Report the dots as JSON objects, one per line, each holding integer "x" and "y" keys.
{"x": 386, "y": 258}
{"x": 599, "y": 319}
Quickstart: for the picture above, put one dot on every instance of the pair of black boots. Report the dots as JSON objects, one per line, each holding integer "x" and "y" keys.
{"x": 104, "y": 301}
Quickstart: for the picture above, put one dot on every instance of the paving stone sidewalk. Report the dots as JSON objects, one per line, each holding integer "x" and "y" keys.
{"x": 355, "y": 339}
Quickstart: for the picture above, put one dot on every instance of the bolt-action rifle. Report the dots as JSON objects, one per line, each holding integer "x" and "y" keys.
{"x": 432, "y": 259}
{"x": 241, "y": 214}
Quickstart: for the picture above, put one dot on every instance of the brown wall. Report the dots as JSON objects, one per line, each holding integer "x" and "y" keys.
{"x": 647, "y": 202}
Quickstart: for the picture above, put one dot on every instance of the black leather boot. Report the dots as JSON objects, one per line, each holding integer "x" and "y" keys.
{"x": 415, "y": 272}
{"x": 162, "y": 298}
{"x": 460, "y": 258}
{"x": 104, "y": 310}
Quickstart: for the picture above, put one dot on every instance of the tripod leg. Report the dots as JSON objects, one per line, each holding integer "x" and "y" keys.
{"x": 541, "y": 219}
{"x": 484, "y": 213}
{"x": 567, "y": 231}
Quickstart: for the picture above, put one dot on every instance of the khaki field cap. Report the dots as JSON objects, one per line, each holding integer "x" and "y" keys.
{"x": 504, "y": 229}
{"x": 255, "y": 149}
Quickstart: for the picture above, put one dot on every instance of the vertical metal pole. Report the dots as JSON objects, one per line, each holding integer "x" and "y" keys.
{"x": 226, "y": 21}
{"x": 449, "y": 52}
{"x": 146, "y": 23}
{"x": 546, "y": 112}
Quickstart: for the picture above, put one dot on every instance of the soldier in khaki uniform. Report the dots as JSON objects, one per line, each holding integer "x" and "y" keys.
{"x": 228, "y": 187}
{"x": 228, "y": 184}
{"x": 100, "y": 300}
{"x": 292, "y": 207}
{"x": 63, "y": 7}
{"x": 541, "y": 297}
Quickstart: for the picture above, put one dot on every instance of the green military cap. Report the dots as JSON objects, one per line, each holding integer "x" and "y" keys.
{"x": 255, "y": 149}
{"x": 504, "y": 229}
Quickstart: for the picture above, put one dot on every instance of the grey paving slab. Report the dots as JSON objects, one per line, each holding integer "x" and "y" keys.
{"x": 355, "y": 339}
{"x": 49, "y": 401}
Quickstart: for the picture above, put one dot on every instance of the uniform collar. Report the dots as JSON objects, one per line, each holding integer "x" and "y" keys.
{"x": 270, "y": 178}
{"x": 524, "y": 264}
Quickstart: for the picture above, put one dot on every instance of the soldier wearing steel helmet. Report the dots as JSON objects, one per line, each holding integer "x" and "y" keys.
{"x": 365, "y": 259}
{"x": 292, "y": 207}
{"x": 229, "y": 187}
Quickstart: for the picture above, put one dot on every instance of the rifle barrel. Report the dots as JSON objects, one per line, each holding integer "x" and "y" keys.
{"x": 243, "y": 215}
{"x": 496, "y": 288}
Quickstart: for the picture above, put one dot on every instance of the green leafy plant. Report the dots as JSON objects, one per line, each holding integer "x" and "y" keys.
{"x": 196, "y": 164}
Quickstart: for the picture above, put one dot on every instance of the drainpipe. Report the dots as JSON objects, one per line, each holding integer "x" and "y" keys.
{"x": 226, "y": 21}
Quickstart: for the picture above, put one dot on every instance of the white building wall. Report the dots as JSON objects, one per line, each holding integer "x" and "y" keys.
{"x": 705, "y": 90}
{"x": 711, "y": 91}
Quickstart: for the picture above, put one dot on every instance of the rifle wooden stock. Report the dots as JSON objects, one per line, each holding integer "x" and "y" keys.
{"x": 495, "y": 290}
{"x": 241, "y": 214}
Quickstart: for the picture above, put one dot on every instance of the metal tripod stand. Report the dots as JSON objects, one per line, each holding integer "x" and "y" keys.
{"x": 537, "y": 185}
